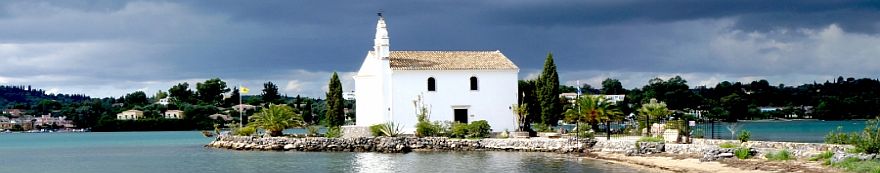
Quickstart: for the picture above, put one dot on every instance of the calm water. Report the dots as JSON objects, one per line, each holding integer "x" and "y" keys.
{"x": 135, "y": 152}
{"x": 813, "y": 131}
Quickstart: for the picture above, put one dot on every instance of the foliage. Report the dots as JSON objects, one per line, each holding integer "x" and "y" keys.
{"x": 593, "y": 110}
{"x": 333, "y": 132}
{"x": 181, "y": 93}
{"x": 504, "y": 134}
{"x": 742, "y": 153}
{"x": 528, "y": 96}
{"x": 869, "y": 142}
{"x": 855, "y": 165}
{"x": 211, "y": 91}
{"x": 744, "y": 136}
{"x": 390, "y": 129}
{"x": 521, "y": 111}
{"x": 839, "y": 137}
{"x": 376, "y": 130}
{"x": 276, "y": 118}
{"x": 137, "y": 98}
{"x": 547, "y": 87}
{"x": 270, "y": 94}
{"x": 335, "y": 114}
{"x": 612, "y": 87}
{"x": 312, "y": 130}
{"x": 651, "y": 139}
{"x": 651, "y": 111}
{"x": 781, "y": 155}
{"x": 244, "y": 131}
{"x": 540, "y": 127}
{"x": 458, "y": 130}
{"x": 479, "y": 129}
{"x": 426, "y": 129}
{"x": 827, "y": 155}
{"x": 728, "y": 145}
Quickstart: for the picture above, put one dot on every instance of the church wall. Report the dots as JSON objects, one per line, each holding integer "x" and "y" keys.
{"x": 492, "y": 102}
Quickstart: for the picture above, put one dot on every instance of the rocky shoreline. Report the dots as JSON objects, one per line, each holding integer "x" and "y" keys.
{"x": 398, "y": 144}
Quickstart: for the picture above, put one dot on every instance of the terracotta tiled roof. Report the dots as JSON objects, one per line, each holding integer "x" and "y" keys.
{"x": 450, "y": 60}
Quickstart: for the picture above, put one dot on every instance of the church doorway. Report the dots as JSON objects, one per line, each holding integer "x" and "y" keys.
{"x": 461, "y": 115}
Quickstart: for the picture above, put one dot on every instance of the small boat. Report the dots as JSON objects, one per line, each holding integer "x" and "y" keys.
{"x": 207, "y": 134}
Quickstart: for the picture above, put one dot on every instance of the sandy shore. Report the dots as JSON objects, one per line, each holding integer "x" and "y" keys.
{"x": 667, "y": 163}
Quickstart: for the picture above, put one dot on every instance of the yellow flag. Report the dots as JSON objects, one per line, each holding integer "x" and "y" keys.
{"x": 244, "y": 90}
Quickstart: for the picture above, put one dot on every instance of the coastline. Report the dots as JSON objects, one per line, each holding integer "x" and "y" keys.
{"x": 681, "y": 163}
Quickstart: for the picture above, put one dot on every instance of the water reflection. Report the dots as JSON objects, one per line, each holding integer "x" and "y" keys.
{"x": 373, "y": 162}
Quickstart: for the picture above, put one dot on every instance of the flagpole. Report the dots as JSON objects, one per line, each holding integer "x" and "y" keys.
{"x": 240, "y": 108}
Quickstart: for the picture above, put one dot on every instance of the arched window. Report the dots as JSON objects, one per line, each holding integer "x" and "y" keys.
{"x": 432, "y": 85}
{"x": 474, "y": 83}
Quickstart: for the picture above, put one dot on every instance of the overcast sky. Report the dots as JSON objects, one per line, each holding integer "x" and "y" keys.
{"x": 109, "y": 48}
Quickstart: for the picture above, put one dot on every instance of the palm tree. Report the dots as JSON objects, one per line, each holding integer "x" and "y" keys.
{"x": 651, "y": 110}
{"x": 276, "y": 118}
{"x": 594, "y": 110}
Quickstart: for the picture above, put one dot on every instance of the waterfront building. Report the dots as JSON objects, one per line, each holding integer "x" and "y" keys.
{"x": 173, "y": 114}
{"x": 460, "y": 86}
{"x": 130, "y": 115}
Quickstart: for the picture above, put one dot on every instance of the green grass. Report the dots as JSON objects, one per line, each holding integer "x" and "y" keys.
{"x": 856, "y": 165}
{"x": 781, "y": 155}
{"x": 651, "y": 139}
{"x": 728, "y": 145}
{"x": 742, "y": 153}
{"x": 822, "y": 156}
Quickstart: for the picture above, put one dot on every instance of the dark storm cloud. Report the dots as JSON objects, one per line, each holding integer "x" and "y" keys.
{"x": 114, "y": 47}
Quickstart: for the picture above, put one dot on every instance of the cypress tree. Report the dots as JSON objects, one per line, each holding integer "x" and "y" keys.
{"x": 548, "y": 92}
{"x": 335, "y": 115}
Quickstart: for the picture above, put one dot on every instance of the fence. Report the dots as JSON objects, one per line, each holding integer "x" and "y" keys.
{"x": 671, "y": 130}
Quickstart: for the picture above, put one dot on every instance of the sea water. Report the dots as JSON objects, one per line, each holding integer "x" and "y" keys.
{"x": 168, "y": 152}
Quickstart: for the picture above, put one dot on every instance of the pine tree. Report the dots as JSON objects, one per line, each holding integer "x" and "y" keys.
{"x": 335, "y": 115}
{"x": 270, "y": 93}
{"x": 548, "y": 92}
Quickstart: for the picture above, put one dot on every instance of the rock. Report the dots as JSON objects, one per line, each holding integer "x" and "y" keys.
{"x": 724, "y": 155}
{"x": 289, "y": 147}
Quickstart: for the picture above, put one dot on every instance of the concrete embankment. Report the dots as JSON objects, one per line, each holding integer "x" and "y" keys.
{"x": 398, "y": 144}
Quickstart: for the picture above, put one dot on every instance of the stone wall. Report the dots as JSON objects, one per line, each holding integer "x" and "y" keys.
{"x": 356, "y": 131}
{"x": 397, "y": 144}
{"x": 703, "y": 146}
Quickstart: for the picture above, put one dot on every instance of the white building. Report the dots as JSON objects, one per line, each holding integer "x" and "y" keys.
{"x": 130, "y": 115}
{"x": 463, "y": 86}
{"x": 173, "y": 114}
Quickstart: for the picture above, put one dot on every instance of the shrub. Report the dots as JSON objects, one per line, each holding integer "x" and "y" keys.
{"x": 651, "y": 139}
{"x": 312, "y": 130}
{"x": 728, "y": 145}
{"x": 244, "y": 131}
{"x": 869, "y": 142}
{"x": 744, "y": 136}
{"x": 333, "y": 132}
{"x": 541, "y": 127}
{"x": 390, "y": 129}
{"x": 376, "y": 129}
{"x": 839, "y": 137}
{"x": 781, "y": 155}
{"x": 742, "y": 153}
{"x": 479, "y": 129}
{"x": 425, "y": 129}
{"x": 504, "y": 135}
{"x": 458, "y": 130}
{"x": 855, "y": 165}
{"x": 827, "y": 155}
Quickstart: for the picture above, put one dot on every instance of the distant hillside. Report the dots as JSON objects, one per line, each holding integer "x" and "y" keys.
{"x": 24, "y": 96}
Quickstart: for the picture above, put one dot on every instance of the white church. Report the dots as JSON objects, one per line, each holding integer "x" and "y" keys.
{"x": 459, "y": 86}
